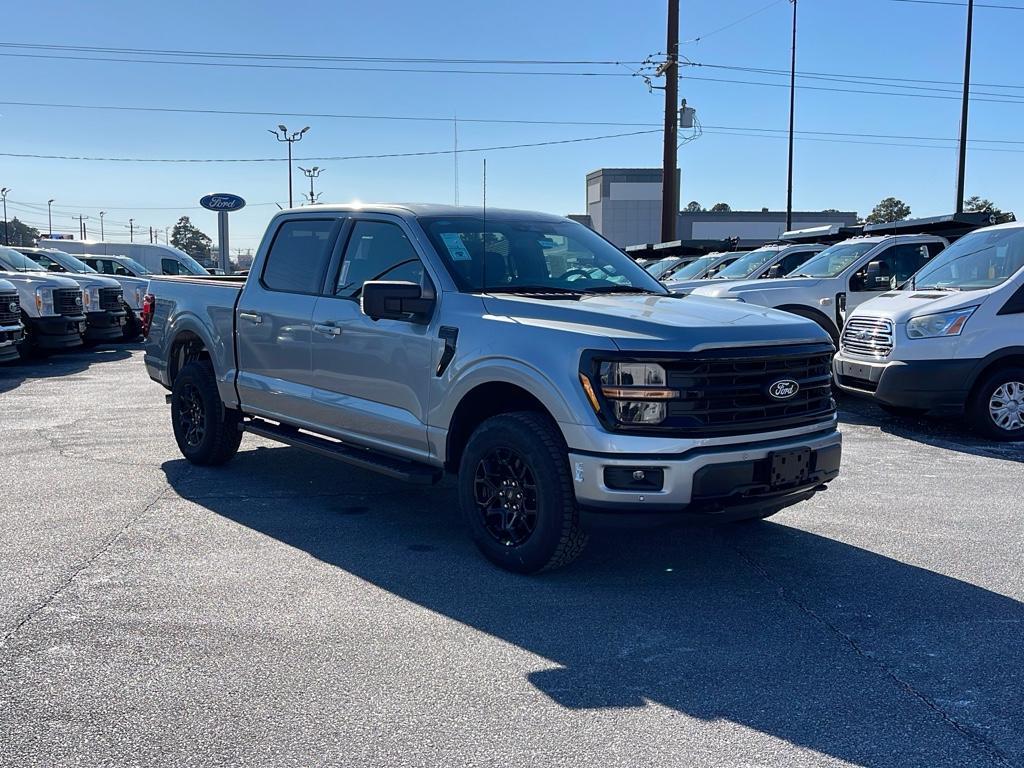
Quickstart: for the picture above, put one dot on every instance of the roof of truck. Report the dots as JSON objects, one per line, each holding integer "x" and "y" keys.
{"x": 427, "y": 209}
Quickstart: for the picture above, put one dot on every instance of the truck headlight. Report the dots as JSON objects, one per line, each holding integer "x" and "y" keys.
{"x": 637, "y": 392}
{"x": 941, "y": 324}
{"x": 44, "y": 301}
{"x": 91, "y": 299}
{"x": 140, "y": 293}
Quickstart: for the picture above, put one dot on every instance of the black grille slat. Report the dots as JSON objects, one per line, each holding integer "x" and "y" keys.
{"x": 67, "y": 301}
{"x": 7, "y": 317}
{"x": 110, "y": 298}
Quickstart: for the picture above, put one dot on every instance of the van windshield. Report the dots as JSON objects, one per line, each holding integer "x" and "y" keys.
{"x": 747, "y": 265}
{"x": 833, "y": 261}
{"x": 533, "y": 256}
{"x": 974, "y": 262}
{"x": 191, "y": 264}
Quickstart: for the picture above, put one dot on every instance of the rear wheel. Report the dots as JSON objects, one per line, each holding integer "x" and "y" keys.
{"x": 516, "y": 494}
{"x": 207, "y": 433}
{"x": 996, "y": 409}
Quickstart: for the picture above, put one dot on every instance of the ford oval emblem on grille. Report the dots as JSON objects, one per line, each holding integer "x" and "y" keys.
{"x": 78, "y": 301}
{"x": 14, "y": 306}
{"x": 783, "y": 390}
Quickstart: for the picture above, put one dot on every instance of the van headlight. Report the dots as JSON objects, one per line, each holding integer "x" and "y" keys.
{"x": 637, "y": 392}
{"x": 940, "y": 324}
{"x": 44, "y": 301}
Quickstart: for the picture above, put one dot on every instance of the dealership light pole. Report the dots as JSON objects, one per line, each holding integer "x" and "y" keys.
{"x": 792, "y": 119}
{"x": 962, "y": 166}
{"x": 282, "y": 135}
{"x": 312, "y": 173}
{"x": 102, "y": 236}
{"x": 49, "y": 215}
{"x": 3, "y": 194}
{"x": 670, "y": 69}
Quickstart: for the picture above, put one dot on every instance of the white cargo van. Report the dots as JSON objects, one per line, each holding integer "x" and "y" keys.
{"x": 952, "y": 340}
{"x": 159, "y": 259}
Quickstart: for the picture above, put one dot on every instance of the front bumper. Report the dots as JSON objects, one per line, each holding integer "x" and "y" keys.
{"x": 10, "y": 337}
{"x": 107, "y": 325}
{"x": 721, "y": 482}
{"x": 928, "y": 385}
{"x": 58, "y": 332}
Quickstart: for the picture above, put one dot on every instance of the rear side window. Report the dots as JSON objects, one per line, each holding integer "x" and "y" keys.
{"x": 170, "y": 267}
{"x": 299, "y": 256}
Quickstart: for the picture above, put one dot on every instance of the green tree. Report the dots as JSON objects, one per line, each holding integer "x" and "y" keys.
{"x": 693, "y": 207}
{"x": 19, "y": 233}
{"x": 720, "y": 208}
{"x": 831, "y": 211}
{"x": 192, "y": 240}
{"x": 889, "y": 210}
{"x": 975, "y": 204}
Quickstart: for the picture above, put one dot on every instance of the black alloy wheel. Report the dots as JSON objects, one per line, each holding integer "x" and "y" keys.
{"x": 506, "y": 496}
{"x": 192, "y": 416}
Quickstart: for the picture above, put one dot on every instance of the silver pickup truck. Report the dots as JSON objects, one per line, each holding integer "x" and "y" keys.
{"x": 522, "y": 352}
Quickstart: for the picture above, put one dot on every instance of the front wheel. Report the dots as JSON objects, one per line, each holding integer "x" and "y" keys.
{"x": 207, "y": 433}
{"x": 996, "y": 409}
{"x": 516, "y": 494}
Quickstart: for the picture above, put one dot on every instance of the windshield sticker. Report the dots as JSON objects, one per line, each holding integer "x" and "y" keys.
{"x": 456, "y": 248}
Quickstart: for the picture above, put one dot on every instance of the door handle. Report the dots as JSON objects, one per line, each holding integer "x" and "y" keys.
{"x": 253, "y": 317}
{"x": 327, "y": 330}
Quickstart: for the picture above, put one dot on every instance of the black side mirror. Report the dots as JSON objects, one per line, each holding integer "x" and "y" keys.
{"x": 55, "y": 268}
{"x": 876, "y": 279}
{"x": 395, "y": 300}
{"x": 774, "y": 272}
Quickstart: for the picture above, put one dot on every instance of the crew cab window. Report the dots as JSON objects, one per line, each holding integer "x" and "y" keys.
{"x": 171, "y": 267}
{"x": 793, "y": 260}
{"x": 896, "y": 265}
{"x": 377, "y": 250}
{"x": 299, "y": 255}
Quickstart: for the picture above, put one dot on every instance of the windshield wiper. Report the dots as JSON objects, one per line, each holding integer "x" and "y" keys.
{"x": 531, "y": 289}
{"x": 620, "y": 289}
{"x": 937, "y": 288}
{"x": 802, "y": 274}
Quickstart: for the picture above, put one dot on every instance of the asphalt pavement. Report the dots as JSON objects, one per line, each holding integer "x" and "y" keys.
{"x": 285, "y": 610}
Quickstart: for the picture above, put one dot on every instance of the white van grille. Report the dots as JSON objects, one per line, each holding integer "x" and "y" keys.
{"x": 869, "y": 336}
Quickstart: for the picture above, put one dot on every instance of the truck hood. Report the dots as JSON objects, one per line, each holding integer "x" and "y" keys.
{"x": 739, "y": 287}
{"x": 33, "y": 280}
{"x": 89, "y": 280}
{"x": 900, "y": 306}
{"x": 660, "y": 323}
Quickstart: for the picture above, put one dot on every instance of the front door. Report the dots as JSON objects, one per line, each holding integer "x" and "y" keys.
{"x": 371, "y": 377}
{"x": 274, "y": 319}
{"x": 896, "y": 265}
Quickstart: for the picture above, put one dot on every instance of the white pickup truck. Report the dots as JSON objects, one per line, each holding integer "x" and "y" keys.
{"x": 52, "y": 307}
{"x": 771, "y": 260}
{"x": 952, "y": 340}
{"x": 11, "y": 330}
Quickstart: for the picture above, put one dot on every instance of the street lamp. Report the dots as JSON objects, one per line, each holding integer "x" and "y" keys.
{"x": 3, "y": 194}
{"x": 49, "y": 215}
{"x": 281, "y": 134}
{"x": 312, "y": 173}
{"x": 102, "y": 214}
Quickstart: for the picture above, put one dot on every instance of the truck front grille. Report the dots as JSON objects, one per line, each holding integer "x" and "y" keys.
{"x": 868, "y": 336}
{"x": 728, "y": 391}
{"x": 67, "y": 301}
{"x": 9, "y": 316}
{"x": 110, "y": 298}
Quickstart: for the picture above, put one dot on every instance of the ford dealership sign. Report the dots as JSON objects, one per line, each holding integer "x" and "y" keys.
{"x": 222, "y": 202}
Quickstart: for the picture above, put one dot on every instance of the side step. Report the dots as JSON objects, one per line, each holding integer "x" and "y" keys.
{"x": 409, "y": 471}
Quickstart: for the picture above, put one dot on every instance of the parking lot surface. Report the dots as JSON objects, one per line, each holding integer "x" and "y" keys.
{"x": 286, "y": 610}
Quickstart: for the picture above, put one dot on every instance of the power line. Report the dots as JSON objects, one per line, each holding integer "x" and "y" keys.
{"x": 962, "y": 5}
{"x": 734, "y": 23}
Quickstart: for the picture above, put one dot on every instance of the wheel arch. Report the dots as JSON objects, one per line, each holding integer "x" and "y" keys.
{"x": 1002, "y": 358}
{"x": 827, "y": 323}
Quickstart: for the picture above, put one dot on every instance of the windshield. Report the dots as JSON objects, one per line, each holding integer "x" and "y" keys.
{"x": 533, "y": 256}
{"x": 192, "y": 265}
{"x": 11, "y": 260}
{"x": 661, "y": 267}
{"x": 133, "y": 266}
{"x": 749, "y": 264}
{"x": 976, "y": 261}
{"x": 833, "y": 261}
{"x": 696, "y": 268}
{"x": 69, "y": 262}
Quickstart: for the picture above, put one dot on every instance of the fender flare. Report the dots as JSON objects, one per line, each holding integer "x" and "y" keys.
{"x": 827, "y": 323}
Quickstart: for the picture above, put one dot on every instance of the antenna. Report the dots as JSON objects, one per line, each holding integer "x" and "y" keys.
{"x": 483, "y": 236}
{"x": 455, "y": 155}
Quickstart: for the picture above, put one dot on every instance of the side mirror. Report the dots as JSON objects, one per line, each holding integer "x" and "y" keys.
{"x": 121, "y": 271}
{"x": 395, "y": 300}
{"x": 55, "y": 268}
{"x": 875, "y": 279}
{"x": 774, "y": 272}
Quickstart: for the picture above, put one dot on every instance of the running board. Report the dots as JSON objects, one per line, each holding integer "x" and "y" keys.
{"x": 410, "y": 472}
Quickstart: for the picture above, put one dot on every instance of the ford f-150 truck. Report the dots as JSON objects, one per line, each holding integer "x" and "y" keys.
{"x": 522, "y": 352}
{"x": 51, "y": 306}
{"x": 11, "y": 330}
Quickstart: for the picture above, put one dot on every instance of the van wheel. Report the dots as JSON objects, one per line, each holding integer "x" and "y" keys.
{"x": 996, "y": 409}
{"x": 516, "y": 494}
{"x": 206, "y": 432}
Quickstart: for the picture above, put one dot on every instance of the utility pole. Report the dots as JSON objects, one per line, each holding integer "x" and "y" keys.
{"x": 49, "y": 216}
{"x": 792, "y": 121}
{"x": 962, "y": 167}
{"x": 131, "y": 230}
{"x": 312, "y": 173}
{"x": 282, "y": 135}
{"x": 81, "y": 226}
{"x": 669, "y": 185}
{"x": 3, "y": 194}
{"x": 102, "y": 236}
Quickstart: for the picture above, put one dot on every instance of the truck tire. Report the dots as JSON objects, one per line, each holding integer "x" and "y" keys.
{"x": 207, "y": 433}
{"x": 996, "y": 406}
{"x": 27, "y": 348}
{"x": 132, "y": 328}
{"x": 516, "y": 494}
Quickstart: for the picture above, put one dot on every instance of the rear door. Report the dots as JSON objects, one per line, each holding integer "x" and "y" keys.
{"x": 274, "y": 318}
{"x": 371, "y": 377}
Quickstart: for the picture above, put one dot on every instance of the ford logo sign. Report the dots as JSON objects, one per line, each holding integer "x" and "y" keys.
{"x": 222, "y": 202}
{"x": 783, "y": 389}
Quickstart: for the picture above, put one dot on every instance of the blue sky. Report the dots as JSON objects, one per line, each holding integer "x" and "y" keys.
{"x": 871, "y": 38}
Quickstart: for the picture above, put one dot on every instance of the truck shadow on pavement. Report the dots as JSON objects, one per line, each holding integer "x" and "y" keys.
{"x": 827, "y": 646}
{"x": 14, "y": 374}
{"x": 940, "y": 432}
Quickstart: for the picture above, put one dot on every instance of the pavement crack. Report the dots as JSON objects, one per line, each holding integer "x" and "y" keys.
{"x": 996, "y": 755}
